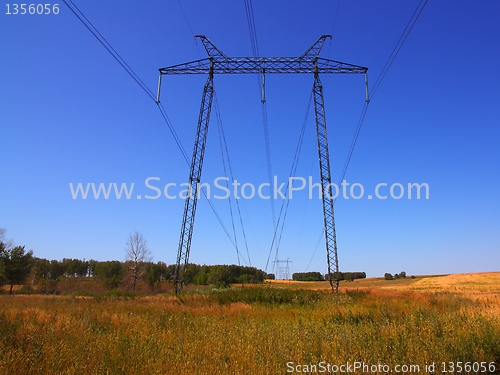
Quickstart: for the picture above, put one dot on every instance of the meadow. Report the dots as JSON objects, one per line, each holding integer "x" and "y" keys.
{"x": 256, "y": 330}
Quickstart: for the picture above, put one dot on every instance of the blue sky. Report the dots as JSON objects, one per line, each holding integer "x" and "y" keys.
{"x": 69, "y": 113}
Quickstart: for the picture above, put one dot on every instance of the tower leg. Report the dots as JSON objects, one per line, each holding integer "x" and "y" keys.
{"x": 194, "y": 181}
{"x": 326, "y": 187}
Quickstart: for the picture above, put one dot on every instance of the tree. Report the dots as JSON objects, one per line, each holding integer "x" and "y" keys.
{"x": 2, "y": 274}
{"x": 16, "y": 263}
{"x": 3, "y": 240}
{"x": 2, "y": 247}
{"x": 92, "y": 264}
{"x": 42, "y": 269}
{"x": 351, "y": 276}
{"x": 56, "y": 270}
{"x": 74, "y": 267}
{"x": 2, "y": 267}
{"x": 388, "y": 276}
{"x": 110, "y": 272}
{"x": 137, "y": 253}
{"x": 219, "y": 276}
{"x": 157, "y": 273}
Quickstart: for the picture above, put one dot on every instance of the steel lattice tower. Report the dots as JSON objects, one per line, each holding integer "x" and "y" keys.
{"x": 218, "y": 63}
{"x": 282, "y": 269}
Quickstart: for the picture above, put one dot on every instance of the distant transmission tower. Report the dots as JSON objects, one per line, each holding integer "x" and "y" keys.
{"x": 218, "y": 63}
{"x": 282, "y": 269}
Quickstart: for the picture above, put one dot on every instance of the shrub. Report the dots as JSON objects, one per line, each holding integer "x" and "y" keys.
{"x": 268, "y": 295}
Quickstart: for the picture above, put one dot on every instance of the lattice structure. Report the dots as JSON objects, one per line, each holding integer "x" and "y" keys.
{"x": 222, "y": 64}
{"x": 326, "y": 181}
{"x": 219, "y": 63}
{"x": 282, "y": 269}
{"x": 194, "y": 183}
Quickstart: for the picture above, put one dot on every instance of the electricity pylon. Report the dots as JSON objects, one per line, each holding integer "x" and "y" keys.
{"x": 218, "y": 63}
{"x": 282, "y": 269}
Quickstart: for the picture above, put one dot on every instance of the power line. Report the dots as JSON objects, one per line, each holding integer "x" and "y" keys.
{"x": 381, "y": 76}
{"x": 219, "y": 125}
{"x": 335, "y": 20}
{"x": 251, "y": 226}
{"x": 223, "y": 139}
{"x": 353, "y": 144}
{"x": 333, "y": 28}
{"x": 268, "y": 154}
{"x": 173, "y": 132}
{"x": 292, "y": 174}
{"x": 390, "y": 60}
{"x": 398, "y": 46}
{"x": 93, "y": 30}
{"x": 260, "y": 83}
{"x": 190, "y": 28}
{"x": 304, "y": 216}
{"x": 110, "y": 49}
{"x": 203, "y": 189}
{"x": 251, "y": 27}
{"x": 315, "y": 248}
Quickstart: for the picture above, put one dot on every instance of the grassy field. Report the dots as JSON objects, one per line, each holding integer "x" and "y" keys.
{"x": 255, "y": 330}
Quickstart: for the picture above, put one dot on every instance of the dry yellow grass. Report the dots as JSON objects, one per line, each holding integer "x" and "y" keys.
{"x": 478, "y": 285}
{"x": 369, "y": 283}
{"x": 483, "y": 286}
{"x": 233, "y": 332}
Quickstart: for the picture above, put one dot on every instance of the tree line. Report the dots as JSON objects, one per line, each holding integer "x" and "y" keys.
{"x": 112, "y": 274}
{"x": 115, "y": 273}
{"x": 18, "y": 266}
{"x": 222, "y": 275}
{"x": 401, "y": 275}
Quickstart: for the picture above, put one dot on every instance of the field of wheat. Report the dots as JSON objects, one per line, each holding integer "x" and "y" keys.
{"x": 257, "y": 330}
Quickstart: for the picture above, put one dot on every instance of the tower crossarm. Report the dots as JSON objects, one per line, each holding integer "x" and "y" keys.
{"x": 267, "y": 65}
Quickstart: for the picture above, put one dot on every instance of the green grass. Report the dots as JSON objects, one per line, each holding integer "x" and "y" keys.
{"x": 266, "y": 295}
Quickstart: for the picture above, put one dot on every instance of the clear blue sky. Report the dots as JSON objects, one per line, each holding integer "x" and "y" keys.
{"x": 69, "y": 113}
